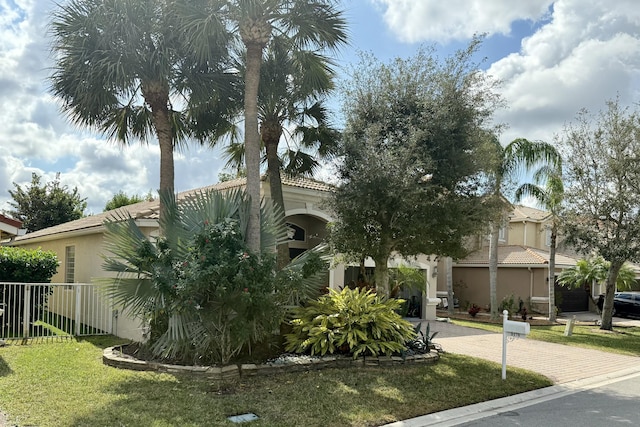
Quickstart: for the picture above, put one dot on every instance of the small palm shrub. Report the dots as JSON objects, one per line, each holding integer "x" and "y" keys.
{"x": 355, "y": 322}
{"x": 205, "y": 296}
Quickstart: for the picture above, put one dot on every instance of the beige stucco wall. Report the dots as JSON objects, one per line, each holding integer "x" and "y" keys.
{"x": 471, "y": 284}
{"x": 533, "y": 234}
{"x": 88, "y": 266}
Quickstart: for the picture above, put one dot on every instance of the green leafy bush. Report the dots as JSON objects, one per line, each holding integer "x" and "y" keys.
{"x": 27, "y": 265}
{"x": 355, "y": 322}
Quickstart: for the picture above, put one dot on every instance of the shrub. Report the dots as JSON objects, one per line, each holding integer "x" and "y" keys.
{"x": 355, "y": 322}
{"x": 27, "y": 265}
{"x": 204, "y": 294}
{"x": 473, "y": 310}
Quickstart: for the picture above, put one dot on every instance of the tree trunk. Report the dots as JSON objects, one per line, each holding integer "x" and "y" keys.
{"x": 381, "y": 276}
{"x": 610, "y": 289}
{"x": 448, "y": 263}
{"x": 493, "y": 270}
{"x": 552, "y": 274}
{"x": 156, "y": 95}
{"x": 252, "y": 141}
{"x": 271, "y": 133}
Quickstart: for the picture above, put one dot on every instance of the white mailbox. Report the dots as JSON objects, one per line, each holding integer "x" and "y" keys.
{"x": 519, "y": 328}
{"x": 510, "y": 331}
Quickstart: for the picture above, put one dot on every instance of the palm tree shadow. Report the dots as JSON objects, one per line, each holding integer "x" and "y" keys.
{"x": 5, "y": 369}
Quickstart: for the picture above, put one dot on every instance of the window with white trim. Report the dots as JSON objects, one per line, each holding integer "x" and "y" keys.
{"x": 548, "y": 237}
{"x": 502, "y": 233}
{"x": 70, "y": 264}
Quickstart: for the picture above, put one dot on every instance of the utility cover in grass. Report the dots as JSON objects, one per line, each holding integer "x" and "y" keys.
{"x": 243, "y": 418}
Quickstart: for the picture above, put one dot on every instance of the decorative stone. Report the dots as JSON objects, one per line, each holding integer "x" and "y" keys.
{"x": 115, "y": 357}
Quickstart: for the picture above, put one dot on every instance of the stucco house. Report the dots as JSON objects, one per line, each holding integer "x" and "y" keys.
{"x": 523, "y": 267}
{"x": 80, "y": 244}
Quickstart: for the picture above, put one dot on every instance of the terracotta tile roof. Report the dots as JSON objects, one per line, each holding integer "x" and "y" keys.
{"x": 516, "y": 255}
{"x": 149, "y": 210}
{"x": 521, "y": 213}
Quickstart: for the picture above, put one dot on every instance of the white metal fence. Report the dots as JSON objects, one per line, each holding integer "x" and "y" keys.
{"x": 40, "y": 310}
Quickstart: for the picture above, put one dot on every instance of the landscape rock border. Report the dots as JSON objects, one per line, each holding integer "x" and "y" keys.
{"x": 115, "y": 357}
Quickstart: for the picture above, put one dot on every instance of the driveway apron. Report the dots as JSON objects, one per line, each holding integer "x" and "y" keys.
{"x": 560, "y": 363}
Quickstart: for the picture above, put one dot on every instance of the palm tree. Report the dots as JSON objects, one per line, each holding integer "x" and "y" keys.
{"x": 306, "y": 24}
{"x": 120, "y": 65}
{"x": 292, "y": 87}
{"x": 509, "y": 162}
{"x": 548, "y": 189}
{"x": 595, "y": 270}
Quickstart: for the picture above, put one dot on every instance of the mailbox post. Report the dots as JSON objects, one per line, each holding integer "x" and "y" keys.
{"x": 510, "y": 331}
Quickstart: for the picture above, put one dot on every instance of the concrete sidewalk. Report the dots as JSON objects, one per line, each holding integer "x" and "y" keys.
{"x": 572, "y": 369}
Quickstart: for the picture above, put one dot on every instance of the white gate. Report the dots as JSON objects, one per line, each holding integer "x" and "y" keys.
{"x": 39, "y": 310}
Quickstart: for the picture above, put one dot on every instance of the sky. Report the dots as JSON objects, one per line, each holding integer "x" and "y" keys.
{"x": 552, "y": 57}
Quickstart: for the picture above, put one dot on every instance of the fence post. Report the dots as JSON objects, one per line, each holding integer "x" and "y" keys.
{"x": 78, "y": 308}
{"x": 26, "y": 311}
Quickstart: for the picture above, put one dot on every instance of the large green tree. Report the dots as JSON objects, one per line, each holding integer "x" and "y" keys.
{"x": 40, "y": 205}
{"x": 122, "y": 199}
{"x": 602, "y": 189}
{"x": 548, "y": 189}
{"x": 123, "y": 68}
{"x": 293, "y": 85}
{"x": 306, "y": 24}
{"x": 411, "y": 172}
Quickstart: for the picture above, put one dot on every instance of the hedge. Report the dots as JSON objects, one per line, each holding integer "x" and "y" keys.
{"x": 27, "y": 265}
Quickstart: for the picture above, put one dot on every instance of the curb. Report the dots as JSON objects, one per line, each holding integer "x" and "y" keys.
{"x": 456, "y": 416}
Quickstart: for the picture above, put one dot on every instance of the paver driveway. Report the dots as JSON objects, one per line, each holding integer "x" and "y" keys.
{"x": 560, "y": 363}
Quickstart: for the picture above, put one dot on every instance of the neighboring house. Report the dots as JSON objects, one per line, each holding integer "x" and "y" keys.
{"x": 523, "y": 267}
{"x": 10, "y": 228}
{"x": 80, "y": 244}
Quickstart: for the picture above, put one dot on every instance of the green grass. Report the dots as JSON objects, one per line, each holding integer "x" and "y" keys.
{"x": 623, "y": 340}
{"x": 66, "y": 384}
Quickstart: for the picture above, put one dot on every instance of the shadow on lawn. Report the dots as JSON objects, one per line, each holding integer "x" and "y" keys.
{"x": 331, "y": 397}
{"x": 5, "y": 369}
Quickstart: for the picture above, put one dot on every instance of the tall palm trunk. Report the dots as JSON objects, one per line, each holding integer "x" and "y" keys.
{"x": 493, "y": 269}
{"x": 252, "y": 141}
{"x": 552, "y": 274}
{"x": 156, "y": 94}
{"x": 271, "y": 133}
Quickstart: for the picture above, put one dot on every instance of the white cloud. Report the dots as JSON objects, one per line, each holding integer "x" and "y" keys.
{"x": 443, "y": 21}
{"x": 35, "y": 137}
{"x": 586, "y": 54}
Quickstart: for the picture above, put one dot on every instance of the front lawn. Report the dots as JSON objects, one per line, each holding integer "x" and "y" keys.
{"x": 66, "y": 384}
{"x": 622, "y": 340}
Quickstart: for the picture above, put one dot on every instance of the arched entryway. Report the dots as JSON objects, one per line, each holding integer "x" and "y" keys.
{"x": 304, "y": 232}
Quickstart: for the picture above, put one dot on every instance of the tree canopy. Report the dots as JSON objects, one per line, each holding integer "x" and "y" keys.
{"x": 294, "y": 122}
{"x": 312, "y": 25}
{"x": 123, "y": 68}
{"x": 122, "y": 199}
{"x": 602, "y": 189}
{"x": 40, "y": 205}
{"x": 411, "y": 180}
